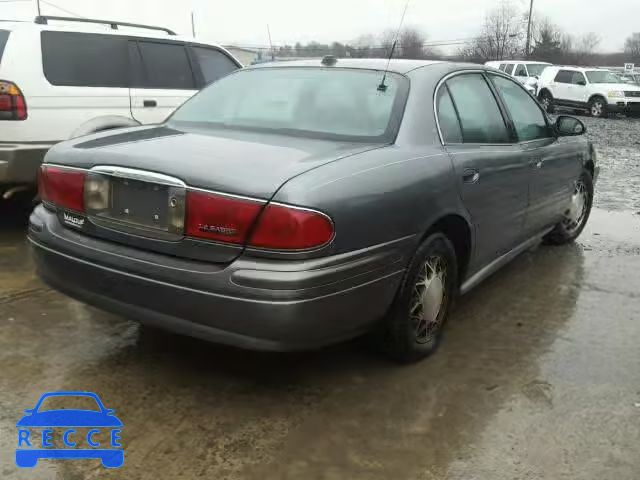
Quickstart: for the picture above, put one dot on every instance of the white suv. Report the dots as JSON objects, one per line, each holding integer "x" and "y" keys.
{"x": 598, "y": 91}
{"x": 83, "y": 76}
{"x": 526, "y": 72}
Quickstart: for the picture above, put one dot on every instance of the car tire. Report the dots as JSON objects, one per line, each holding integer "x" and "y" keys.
{"x": 598, "y": 107}
{"x": 546, "y": 100}
{"x": 412, "y": 329}
{"x": 577, "y": 215}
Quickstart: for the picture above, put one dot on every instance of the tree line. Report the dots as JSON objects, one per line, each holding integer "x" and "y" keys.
{"x": 502, "y": 35}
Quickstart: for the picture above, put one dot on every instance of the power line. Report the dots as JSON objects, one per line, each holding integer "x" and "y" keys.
{"x": 62, "y": 9}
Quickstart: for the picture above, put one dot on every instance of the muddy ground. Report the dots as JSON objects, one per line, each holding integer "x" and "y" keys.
{"x": 538, "y": 376}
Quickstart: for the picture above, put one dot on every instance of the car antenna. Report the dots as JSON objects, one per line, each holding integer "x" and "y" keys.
{"x": 383, "y": 86}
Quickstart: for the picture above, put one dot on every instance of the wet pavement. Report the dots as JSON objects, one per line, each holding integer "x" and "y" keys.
{"x": 538, "y": 375}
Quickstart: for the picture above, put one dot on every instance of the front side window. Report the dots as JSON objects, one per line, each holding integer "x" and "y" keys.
{"x": 578, "y": 78}
{"x": 167, "y": 66}
{"x": 301, "y": 101}
{"x": 448, "y": 118}
{"x": 478, "y": 110}
{"x": 510, "y": 68}
{"x": 601, "y": 76}
{"x": 564, "y": 76}
{"x": 503, "y": 66}
{"x": 213, "y": 63}
{"x": 521, "y": 71}
{"x": 85, "y": 59}
{"x": 536, "y": 69}
{"x": 527, "y": 117}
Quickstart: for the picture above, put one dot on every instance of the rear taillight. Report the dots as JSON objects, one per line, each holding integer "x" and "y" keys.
{"x": 279, "y": 227}
{"x": 219, "y": 217}
{"x": 12, "y": 103}
{"x": 282, "y": 227}
{"x": 62, "y": 187}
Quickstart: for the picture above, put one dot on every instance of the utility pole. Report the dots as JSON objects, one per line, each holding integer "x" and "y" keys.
{"x": 528, "y": 47}
{"x": 38, "y": 5}
{"x": 273, "y": 53}
{"x": 193, "y": 25}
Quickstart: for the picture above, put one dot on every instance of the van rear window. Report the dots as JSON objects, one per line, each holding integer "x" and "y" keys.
{"x": 4, "y": 36}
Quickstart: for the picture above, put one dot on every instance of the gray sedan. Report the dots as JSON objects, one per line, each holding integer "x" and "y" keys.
{"x": 291, "y": 206}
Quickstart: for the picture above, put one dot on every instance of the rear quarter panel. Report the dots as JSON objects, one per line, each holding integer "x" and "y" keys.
{"x": 394, "y": 192}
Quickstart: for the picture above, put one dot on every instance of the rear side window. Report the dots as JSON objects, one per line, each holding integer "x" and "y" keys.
{"x": 84, "y": 59}
{"x": 213, "y": 63}
{"x": 480, "y": 116}
{"x": 448, "y": 118}
{"x": 4, "y": 36}
{"x": 578, "y": 78}
{"x": 167, "y": 66}
{"x": 503, "y": 66}
{"x": 564, "y": 76}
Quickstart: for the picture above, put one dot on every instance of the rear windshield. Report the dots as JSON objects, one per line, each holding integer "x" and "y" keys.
{"x": 340, "y": 104}
{"x": 4, "y": 36}
{"x": 598, "y": 76}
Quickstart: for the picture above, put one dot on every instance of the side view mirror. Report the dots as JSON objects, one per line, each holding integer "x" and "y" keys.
{"x": 569, "y": 126}
{"x": 29, "y": 410}
{"x": 582, "y": 82}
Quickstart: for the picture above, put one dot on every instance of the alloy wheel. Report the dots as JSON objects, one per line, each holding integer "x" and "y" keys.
{"x": 577, "y": 211}
{"x": 597, "y": 108}
{"x": 428, "y": 298}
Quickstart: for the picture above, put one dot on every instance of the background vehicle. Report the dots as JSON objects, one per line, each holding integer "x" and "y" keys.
{"x": 83, "y": 76}
{"x": 526, "y": 72}
{"x": 597, "y": 91}
{"x": 313, "y": 202}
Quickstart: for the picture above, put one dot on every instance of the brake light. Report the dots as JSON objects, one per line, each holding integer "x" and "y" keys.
{"x": 62, "y": 187}
{"x": 12, "y": 102}
{"x": 219, "y": 217}
{"x": 230, "y": 220}
{"x": 283, "y": 227}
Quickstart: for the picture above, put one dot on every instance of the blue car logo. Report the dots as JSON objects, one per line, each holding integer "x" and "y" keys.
{"x": 27, "y": 457}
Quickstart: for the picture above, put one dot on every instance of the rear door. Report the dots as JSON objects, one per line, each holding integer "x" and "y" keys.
{"x": 521, "y": 73}
{"x": 553, "y": 166}
{"x": 491, "y": 171}
{"x": 163, "y": 78}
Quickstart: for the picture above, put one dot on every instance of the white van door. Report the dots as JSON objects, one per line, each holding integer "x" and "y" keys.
{"x": 163, "y": 79}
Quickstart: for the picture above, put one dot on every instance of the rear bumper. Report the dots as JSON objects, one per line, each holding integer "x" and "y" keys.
{"x": 19, "y": 162}
{"x": 251, "y": 303}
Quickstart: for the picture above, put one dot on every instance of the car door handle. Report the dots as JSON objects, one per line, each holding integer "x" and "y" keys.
{"x": 149, "y": 103}
{"x": 471, "y": 175}
{"x": 537, "y": 162}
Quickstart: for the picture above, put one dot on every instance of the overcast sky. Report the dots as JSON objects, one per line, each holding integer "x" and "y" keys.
{"x": 244, "y": 22}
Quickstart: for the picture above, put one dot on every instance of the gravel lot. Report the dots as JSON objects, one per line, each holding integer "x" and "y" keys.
{"x": 618, "y": 145}
{"x": 538, "y": 376}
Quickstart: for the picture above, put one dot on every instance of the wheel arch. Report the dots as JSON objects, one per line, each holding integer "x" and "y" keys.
{"x": 107, "y": 122}
{"x": 543, "y": 91}
{"x": 597, "y": 95}
{"x": 458, "y": 230}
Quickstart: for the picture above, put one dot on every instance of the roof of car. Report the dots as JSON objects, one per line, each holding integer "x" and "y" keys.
{"x": 105, "y": 29}
{"x": 401, "y": 66}
{"x": 525, "y": 62}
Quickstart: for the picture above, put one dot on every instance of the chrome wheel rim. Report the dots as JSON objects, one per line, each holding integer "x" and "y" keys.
{"x": 546, "y": 102}
{"x": 596, "y": 108}
{"x": 428, "y": 298}
{"x": 577, "y": 211}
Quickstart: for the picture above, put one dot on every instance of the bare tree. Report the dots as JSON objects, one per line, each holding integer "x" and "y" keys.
{"x": 502, "y": 33}
{"x": 411, "y": 44}
{"x": 632, "y": 45}
{"x": 586, "y": 47}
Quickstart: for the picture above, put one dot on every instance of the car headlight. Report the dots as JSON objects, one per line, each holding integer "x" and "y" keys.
{"x": 615, "y": 94}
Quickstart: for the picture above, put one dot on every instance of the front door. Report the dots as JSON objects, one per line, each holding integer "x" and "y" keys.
{"x": 163, "y": 79}
{"x": 577, "y": 89}
{"x": 553, "y": 165}
{"x": 492, "y": 173}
